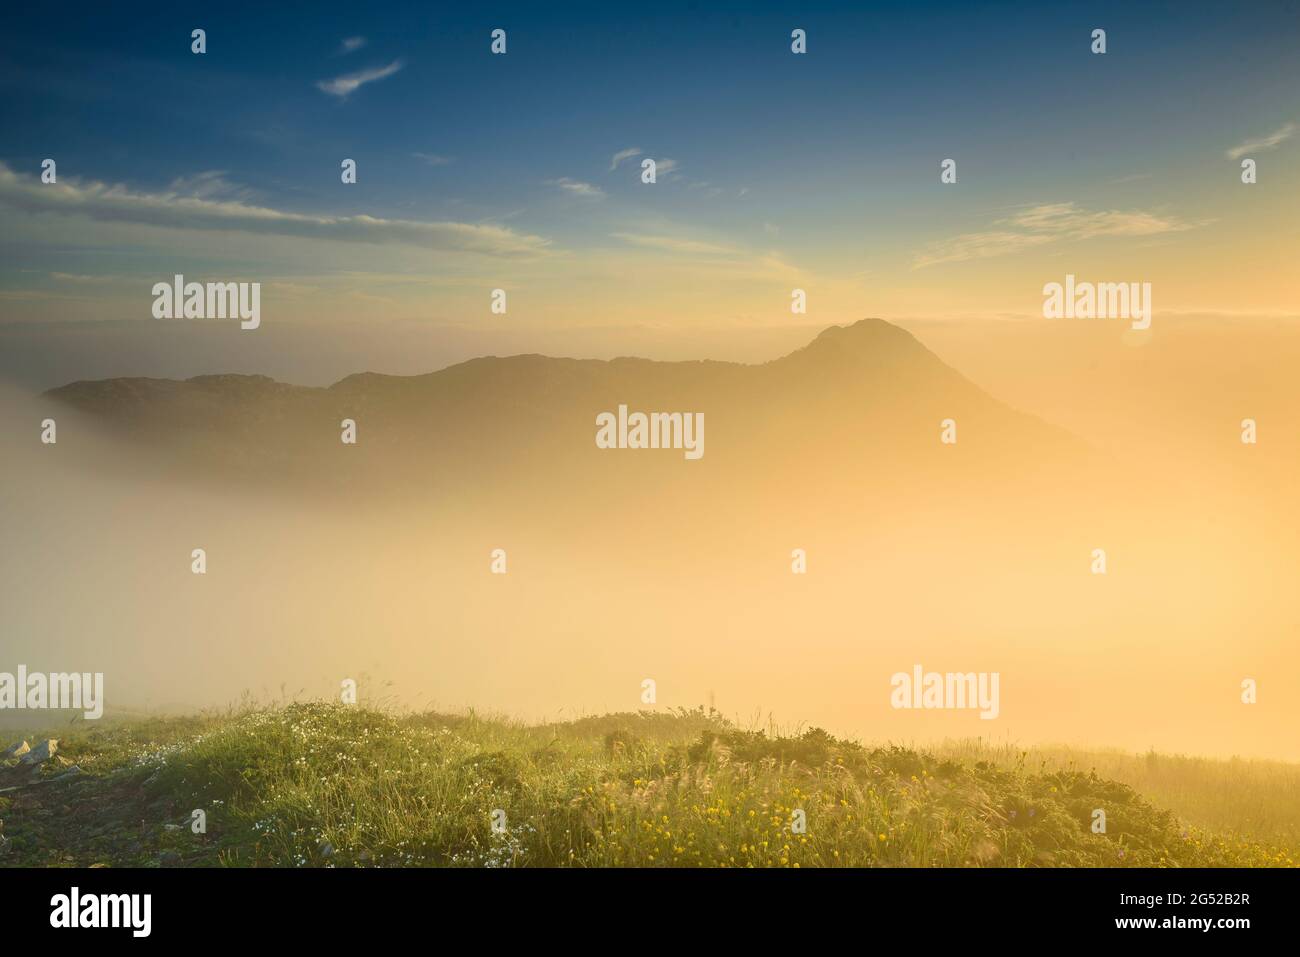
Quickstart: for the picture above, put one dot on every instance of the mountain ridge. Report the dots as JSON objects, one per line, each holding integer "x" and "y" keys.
{"x": 859, "y": 405}
{"x": 831, "y": 336}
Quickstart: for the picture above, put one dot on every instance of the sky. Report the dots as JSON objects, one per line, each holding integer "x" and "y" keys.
{"x": 522, "y": 171}
{"x": 777, "y": 172}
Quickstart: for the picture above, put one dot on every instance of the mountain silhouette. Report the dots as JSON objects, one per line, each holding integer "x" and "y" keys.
{"x": 860, "y": 406}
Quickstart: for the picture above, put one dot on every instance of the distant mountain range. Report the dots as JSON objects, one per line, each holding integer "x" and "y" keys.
{"x": 858, "y": 401}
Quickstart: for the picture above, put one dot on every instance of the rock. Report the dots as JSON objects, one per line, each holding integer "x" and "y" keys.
{"x": 34, "y": 779}
{"x": 41, "y": 753}
{"x": 15, "y": 750}
{"x": 169, "y": 859}
{"x": 325, "y": 849}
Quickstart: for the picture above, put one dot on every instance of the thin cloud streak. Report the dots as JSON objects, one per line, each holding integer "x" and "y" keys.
{"x": 577, "y": 188}
{"x": 622, "y": 155}
{"x": 1272, "y": 141}
{"x": 1043, "y": 224}
{"x": 345, "y": 86}
{"x": 117, "y": 203}
{"x": 676, "y": 245}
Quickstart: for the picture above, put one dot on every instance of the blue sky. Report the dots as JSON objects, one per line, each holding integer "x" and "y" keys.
{"x": 825, "y": 163}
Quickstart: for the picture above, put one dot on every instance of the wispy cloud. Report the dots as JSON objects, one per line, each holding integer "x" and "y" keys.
{"x": 983, "y": 245}
{"x": 1273, "y": 140}
{"x": 1068, "y": 220}
{"x": 351, "y": 44}
{"x": 119, "y": 204}
{"x": 344, "y": 86}
{"x": 433, "y": 159}
{"x": 663, "y": 167}
{"x": 1047, "y": 223}
{"x": 622, "y": 155}
{"x": 577, "y": 188}
{"x": 677, "y": 244}
{"x": 210, "y": 184}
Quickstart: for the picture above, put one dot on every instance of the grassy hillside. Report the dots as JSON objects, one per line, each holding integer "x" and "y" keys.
{"x": 316, "y": 784}
{"x": 1246, "y": 798}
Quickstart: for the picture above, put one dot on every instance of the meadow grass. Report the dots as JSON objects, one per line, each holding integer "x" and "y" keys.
{"x": 328, "y": 785}
{"x": 1247, "y": 798}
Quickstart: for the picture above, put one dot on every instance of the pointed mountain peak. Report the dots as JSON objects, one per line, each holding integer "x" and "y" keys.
{"x": 865, "y": 333}
{"x": 866, "y": 343}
